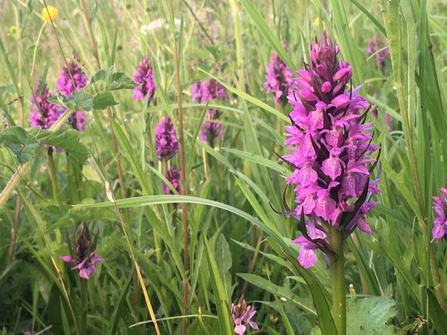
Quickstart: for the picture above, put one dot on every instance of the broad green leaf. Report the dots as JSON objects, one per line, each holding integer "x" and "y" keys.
{"x": 21, "y": 143}
{"x": 370, "y": 315}
{"x": 104, "y": 100}
{"x": 68, "y": 140}
{"x": 107, "y": 80}
{"x": 78, "y": 101}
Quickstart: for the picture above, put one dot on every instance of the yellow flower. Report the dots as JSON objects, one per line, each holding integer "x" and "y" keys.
{"x": 317, "y": 22}
{"x": 13, "y": 30}
{"x": 52, "y": 11}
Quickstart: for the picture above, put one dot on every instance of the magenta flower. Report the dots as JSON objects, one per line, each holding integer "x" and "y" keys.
{"x": 86, "y": 267}
{"x": 388, "y": 120}
{"x": 440, "y": 206}
{"x": 64, "y": 82}
{"x": 166, "y": 138}
{"x": 43, "y": 113}
{"x": 211, "y": 128}
{"x": 207, "y": 90}
{"x": 67, "y": 86}
{"x": 279, "y": 78}
{"x": 144, "y": 75}
{"x": 330, "y": 146}
{"x": 85, "y": 256}
{"x": 376, "y": 44}
{"x": 242, "y": 315}
{"x": 173, "y": 176}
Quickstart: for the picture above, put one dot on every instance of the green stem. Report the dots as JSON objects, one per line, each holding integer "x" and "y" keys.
{"x": 338, "y": 279}
{"x": 73, "y": 187}
{"x": 84, "y": 306}
{"x": 237, "y": 32}
{"x": 53, "y": 175}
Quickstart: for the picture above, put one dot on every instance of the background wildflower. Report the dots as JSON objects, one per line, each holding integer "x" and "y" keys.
{"x": 207, "y": 90}
{"x": 85, "y": 256}
{"x": 173, "y": 176}
{"x": 376, "y": 44}
{"x": 67, "y": 86}
{"x": 279, "y": 78}
{"x": 166, "y": 139}
{"x": 242, "y": 315}
{"x": 43, "y": 113}
{"x": 211, "y": 130}
{"x": 49, "y": 12}
{"x": 144, "y": 75}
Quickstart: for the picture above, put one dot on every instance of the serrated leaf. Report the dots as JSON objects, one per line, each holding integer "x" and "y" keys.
{"x": 68, "y": 140}
{"x": 77, "y": 101}
{"x": 370, "y": 315}
{"x": 107, "y": 80}
{"x": 104, "y": 100}
{"x": 21, "y": 143}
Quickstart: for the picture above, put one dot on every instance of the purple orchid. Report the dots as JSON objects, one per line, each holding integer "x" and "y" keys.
{"x": 207, "y": 90}
{"x": 166, "y": 138}
{"x": 211, "y": 129}
{"x": 279, "y": 78}
{"x": 67, "y": 86}
{"x": 43, "y": 113}
{"x": 173, "y": 176}
{"x": 376, "y": 44}
{"x": 330, "y": 146}
{"x": 440, "y": 206}
{"x": 85, "y": 256}
{"x": 242, "y": 315}
{"x": 144, "y": 75}
{"x": 71, "y": 70}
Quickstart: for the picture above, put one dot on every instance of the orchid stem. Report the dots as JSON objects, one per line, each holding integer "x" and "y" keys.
{"x": 338, "y": 279}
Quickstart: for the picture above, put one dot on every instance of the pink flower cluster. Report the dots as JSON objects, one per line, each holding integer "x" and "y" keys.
{"x": 144, "y": 75}
{"x": 205, "y": 91}
{"x": 330, "y": 146}
{"x": 376, "y": 44}
{"x": 440, "y": 206}
{"x": 173, "y": 176}
{"x": 279, "y": 78}
{"x": 67, "y": 86}
{"x": 166, "y": 138}
{"x": 84, "y": 253}
{"x": 242, "y": 315}
{"x": 43, "y": 113}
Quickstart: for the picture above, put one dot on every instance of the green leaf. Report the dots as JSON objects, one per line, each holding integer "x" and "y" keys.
{"x": 223, "y": 260}
{"x": 21, "y": 143}
{"x": 267, "y": 33}
{"x": 68, "y": 140}
{"x": 437, "y": 315}
{"x": 370, "y": 315}
{"x": 325, "y": 319}
{"x": 221, "y": 298}
{"x": 104, "y": 100}
{"x": 107, "y": 80}
{"x": 78, "y": 101}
